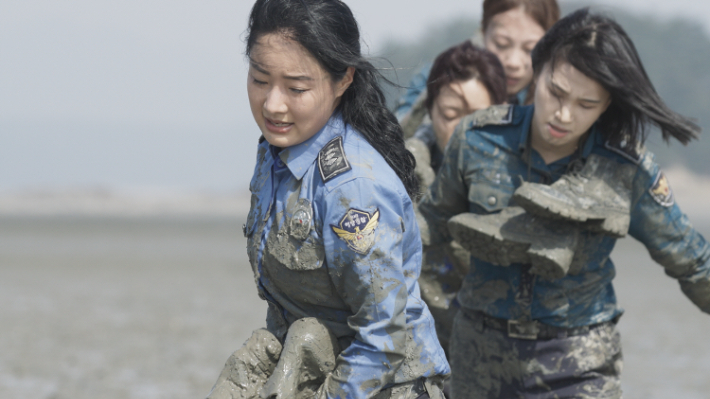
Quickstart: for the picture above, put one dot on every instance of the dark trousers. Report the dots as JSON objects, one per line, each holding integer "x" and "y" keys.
{"x": 486, "y": 363}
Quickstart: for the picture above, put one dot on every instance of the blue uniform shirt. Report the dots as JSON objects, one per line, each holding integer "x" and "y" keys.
{"x": 415, "y": 88}
{"x": 332, "y": 234}
{"x": 426, "y": 134}
{"x": 482, "y": 168}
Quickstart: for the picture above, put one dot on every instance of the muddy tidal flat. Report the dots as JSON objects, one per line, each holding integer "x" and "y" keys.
{"x": 151, "y": 307}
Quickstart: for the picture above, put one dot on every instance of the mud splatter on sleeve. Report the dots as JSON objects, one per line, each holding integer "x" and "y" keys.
{"x": 447, "y": 196}
{"x": 658, "y": 222}
{"x": 363, "y": 237}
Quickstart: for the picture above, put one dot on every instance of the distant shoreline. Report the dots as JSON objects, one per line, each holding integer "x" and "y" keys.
{"x": 692, "y": 192}
{"x": 113, "y": 203}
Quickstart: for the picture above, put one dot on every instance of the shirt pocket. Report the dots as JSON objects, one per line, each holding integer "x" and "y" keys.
{"x": 489, "y": 190}
{"x": 296, "y": 269}
{"x": 292, "y": 248}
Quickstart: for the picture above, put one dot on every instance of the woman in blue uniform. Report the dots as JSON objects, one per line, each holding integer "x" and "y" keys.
{"x": 463, "y": 79}
{"x": 331, "y": 231}
{"x": 510, "y": 28}
{"x": 521, "y": 335}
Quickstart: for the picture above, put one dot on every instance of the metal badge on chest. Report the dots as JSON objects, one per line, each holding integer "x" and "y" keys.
{"x": 301, "y": 220}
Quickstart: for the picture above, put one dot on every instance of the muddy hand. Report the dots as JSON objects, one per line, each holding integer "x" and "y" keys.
{"x": 308, "y": 357}
{"x": 249, "y": 367}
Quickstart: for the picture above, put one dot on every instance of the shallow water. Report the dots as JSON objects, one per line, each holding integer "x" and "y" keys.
{"x": 153, "y": 307}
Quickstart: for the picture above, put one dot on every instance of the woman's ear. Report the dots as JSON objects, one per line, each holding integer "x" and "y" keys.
{"x": 345, "y": 82}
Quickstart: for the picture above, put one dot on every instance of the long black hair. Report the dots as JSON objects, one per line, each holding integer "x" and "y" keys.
{"x": 328, "y": 30}
{"x": 599, "y": 48}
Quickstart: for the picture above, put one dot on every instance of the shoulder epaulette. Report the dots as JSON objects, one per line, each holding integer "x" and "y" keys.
{"x": 493, "y": 115}
{"x": 630, "y": 151}
{"x": 332, "y": 160}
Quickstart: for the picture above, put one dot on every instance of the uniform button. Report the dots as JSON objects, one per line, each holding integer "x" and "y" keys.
{"x": 492, "y": 200}
{"x": 244, "y": 229}
{"x": 280, "y": 163}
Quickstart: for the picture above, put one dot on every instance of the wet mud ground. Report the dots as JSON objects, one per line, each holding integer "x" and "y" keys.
{"x": 99, "y": 307}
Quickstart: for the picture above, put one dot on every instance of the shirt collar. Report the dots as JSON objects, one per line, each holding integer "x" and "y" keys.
{"x": 300, "y": 157}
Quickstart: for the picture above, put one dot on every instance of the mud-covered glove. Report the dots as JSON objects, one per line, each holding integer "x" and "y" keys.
{"x": 307, "y": 359}
{"x": 698, "y": 291}
{"x": 249, "y": 367}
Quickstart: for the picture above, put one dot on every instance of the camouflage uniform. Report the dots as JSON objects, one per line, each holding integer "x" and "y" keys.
{"x": 486, "y": 160}
{"x": 443, "y": 266}
{"x": 332, "y": 235}
{"x": 585, "y": 365}
{"x": 425, "y": 134}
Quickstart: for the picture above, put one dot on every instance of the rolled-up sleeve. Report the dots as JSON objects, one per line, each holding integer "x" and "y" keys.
{"x": 658, "y": 222}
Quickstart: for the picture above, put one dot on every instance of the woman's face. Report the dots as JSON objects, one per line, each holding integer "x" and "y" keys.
{"x": 567, "y": 103}
{"x": 290, "y": 94}
{"x": 456, "y": 100}
{"x": 512, "y": 35}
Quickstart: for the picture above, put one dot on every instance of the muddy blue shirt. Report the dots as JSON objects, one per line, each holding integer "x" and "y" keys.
{"x": 415, "y": 88}
{"x": 426, "y": 134}
{"x": 482, "y": 168}
{"x": 332, "y": 234}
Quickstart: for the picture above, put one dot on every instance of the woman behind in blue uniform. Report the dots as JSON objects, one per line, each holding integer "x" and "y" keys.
{"x": 463, "y": 79}
{"x": 522, "y": 335}
{"x": 332, "y": 235}
{"x": 510, "y": 29}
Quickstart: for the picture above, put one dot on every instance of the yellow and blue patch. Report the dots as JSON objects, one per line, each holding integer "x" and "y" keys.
{"x": 661, "y": 191}
{"x": 357, "y": 229}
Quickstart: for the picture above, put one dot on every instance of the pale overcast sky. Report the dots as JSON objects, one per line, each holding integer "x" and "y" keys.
{"x": 150, "y": 93}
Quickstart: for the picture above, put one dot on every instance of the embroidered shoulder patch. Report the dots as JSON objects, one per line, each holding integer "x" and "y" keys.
{"x": 661, "y": 191}
{"x": 493, "y": 115}
{"x": 357, "y": 229}
{"x": 331, "y": 159}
